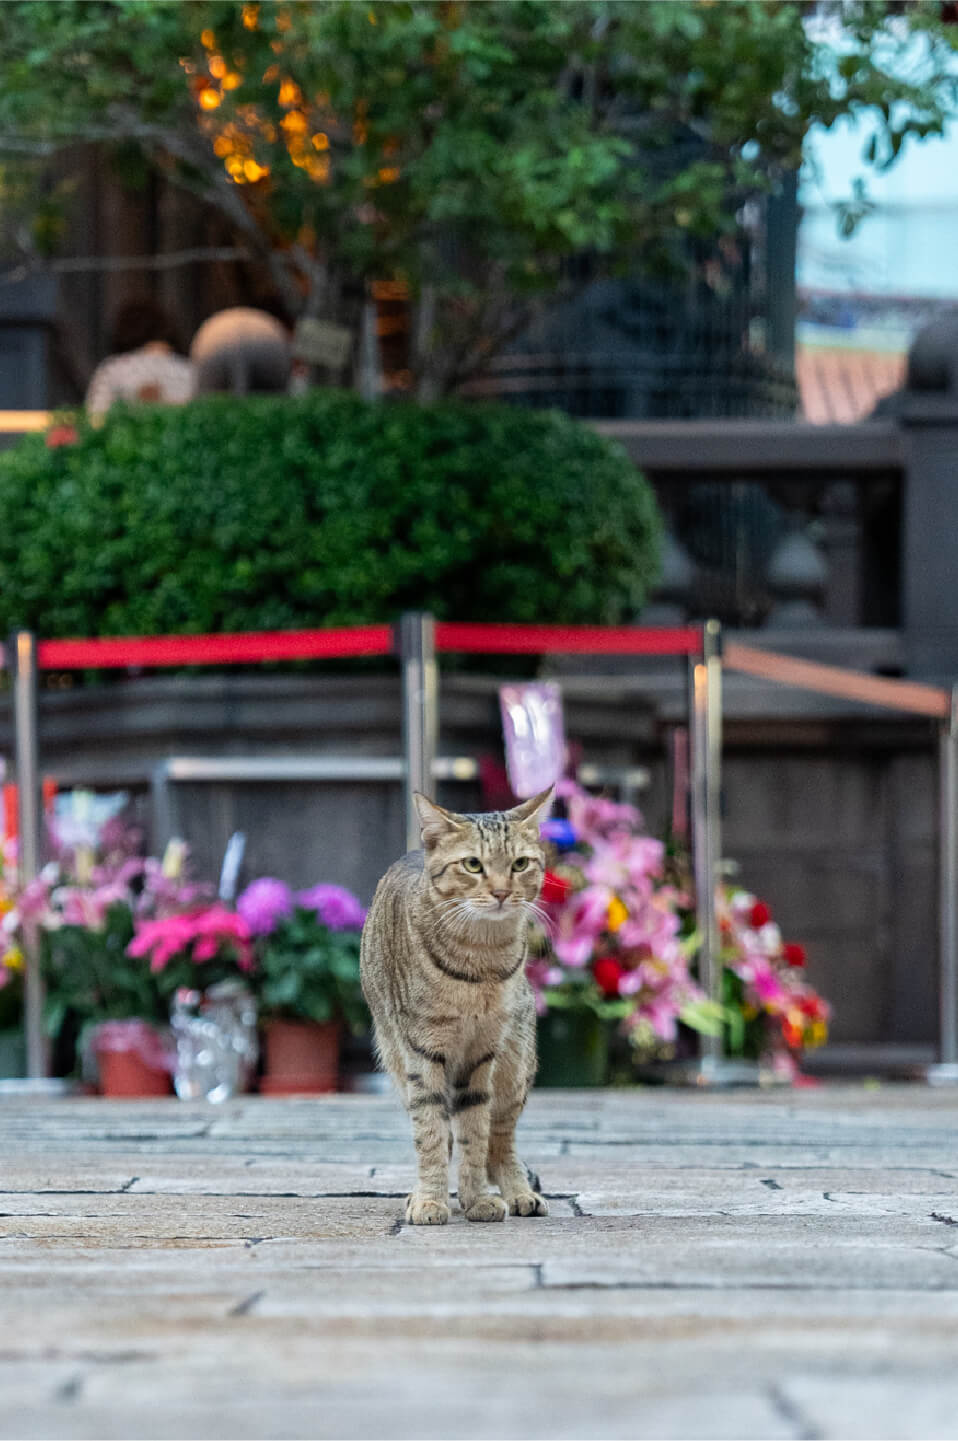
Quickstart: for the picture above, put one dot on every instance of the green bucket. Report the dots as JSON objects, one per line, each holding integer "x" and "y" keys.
{"x": 573, "y": 1049}
{"x": 13, "y": 1053}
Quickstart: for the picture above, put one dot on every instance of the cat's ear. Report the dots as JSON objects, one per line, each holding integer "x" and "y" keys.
{"x": 434, "y": 822}
{"x": 536, "y": 808}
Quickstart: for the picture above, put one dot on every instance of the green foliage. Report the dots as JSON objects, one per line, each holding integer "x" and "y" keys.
{"x": 308, "y": 972}
{"x": 88, "y": 974}
{"x": 275, "y": 513}
{"x": 467, "y": 150}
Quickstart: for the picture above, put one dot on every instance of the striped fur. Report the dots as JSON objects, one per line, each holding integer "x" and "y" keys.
{"x": 443, "y": 971}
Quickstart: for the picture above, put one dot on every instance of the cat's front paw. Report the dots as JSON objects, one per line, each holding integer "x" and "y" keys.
{"x": 426, "y": 1210}
{"x": 528, "y": 1203}
{"x": 487, "y": 1208}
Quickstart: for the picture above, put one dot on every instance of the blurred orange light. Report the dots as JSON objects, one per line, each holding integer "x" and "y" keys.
{"x": 231, "y": 80}
{"x": 250, "y": 16}
{"x": 209, "y": 98}
{"x": 217, "y": 67}
{"x": 208, "y": 39}
{"x": 317, "y": 168}
{"x": 320, "y": 141}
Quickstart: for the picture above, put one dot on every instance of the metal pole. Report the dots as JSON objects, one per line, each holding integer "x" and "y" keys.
{"x": 706, "y": 759}
{"x": 420, "y": 712}
{"x": 705, "y": 725}
{"x": 22, "y": 652}
{"x": 946, "y": 1071}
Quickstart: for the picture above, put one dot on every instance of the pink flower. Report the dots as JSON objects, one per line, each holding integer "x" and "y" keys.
{"x": 625, "y": 860}
{"x": 594, "y": 817}
{"x": 34, "y": 900}
{"x": 581, "y": 921}
{"x": 88, "y": 908}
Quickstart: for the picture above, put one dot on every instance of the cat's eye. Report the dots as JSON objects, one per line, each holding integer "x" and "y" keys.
{"x": 520, "y": 863}
{"x": 473, "y": 865}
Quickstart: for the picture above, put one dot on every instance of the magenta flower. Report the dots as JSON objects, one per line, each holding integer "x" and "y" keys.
{"x": 264, "y": 904}
{"x": 336, "y": 907}
{"x": 581, "y": 921}
{"x": 197, "y": 934}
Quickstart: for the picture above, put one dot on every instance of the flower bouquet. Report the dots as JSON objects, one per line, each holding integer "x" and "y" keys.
{"x": 307, "y": 979}
{"x": 615, "y": 946}
{"x": 772, "y": 1012}
{"x": 614, "y": 957}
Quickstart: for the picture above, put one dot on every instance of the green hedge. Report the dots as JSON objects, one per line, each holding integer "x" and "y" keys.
{"x": 277, "y": 513}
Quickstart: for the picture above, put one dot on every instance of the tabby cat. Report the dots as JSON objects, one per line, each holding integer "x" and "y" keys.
{"x": 443, "y": 970}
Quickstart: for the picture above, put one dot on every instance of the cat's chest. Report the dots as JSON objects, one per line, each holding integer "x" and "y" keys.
{"x": 470, "y": 1010}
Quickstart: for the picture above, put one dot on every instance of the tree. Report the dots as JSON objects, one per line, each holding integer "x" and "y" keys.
{"x": 465, "y": 153}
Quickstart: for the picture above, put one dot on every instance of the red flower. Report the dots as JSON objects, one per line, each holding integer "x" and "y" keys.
{"x": 556, "y": 888}
{"x": 759, "y": 915}
{"x": 608, "y": 973}
{"x": 61, "y": 435}
{"x": 794, "y": 953}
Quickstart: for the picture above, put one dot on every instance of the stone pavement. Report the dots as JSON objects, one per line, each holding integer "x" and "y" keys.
{"x": 747, "y": 1265}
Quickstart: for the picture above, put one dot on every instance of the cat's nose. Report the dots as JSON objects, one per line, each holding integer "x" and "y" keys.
{"x": 501, "y": 896}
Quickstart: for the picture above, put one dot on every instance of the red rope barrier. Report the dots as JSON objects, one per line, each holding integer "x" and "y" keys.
{"x": 496, "y": 638}
{"x": 258, "y": 646}
{"x": 235, "y": 649}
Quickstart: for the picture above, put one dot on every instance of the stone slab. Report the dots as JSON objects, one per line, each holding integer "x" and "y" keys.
{"x": 748, "y": 1265}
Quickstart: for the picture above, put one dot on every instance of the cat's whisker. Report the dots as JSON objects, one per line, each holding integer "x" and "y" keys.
{"x": 541, "y": 915}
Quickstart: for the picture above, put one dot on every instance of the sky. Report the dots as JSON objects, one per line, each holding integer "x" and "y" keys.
{"x": 909, "y": 245}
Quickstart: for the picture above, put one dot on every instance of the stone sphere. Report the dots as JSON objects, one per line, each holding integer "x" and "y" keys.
{"x": 933, "y": 357}
{"x": 240, "y": 351}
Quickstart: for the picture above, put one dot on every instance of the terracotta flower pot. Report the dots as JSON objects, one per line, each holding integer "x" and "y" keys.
{"x": 125, "y": 1073}
{"x": 302, "y": 1058}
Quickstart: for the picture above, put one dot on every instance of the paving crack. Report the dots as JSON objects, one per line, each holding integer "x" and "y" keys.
{"x": 772, "y": 1185}
{"x": 130, "y": 1183}
{"x": 945, "y": 1220}
{"x": 802, "y": 1428}
{"x": 243, "y": 1308}
{"x": 69, "y": 1391}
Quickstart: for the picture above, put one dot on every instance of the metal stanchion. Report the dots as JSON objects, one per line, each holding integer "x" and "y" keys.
{"x": 420, "y": 709}
{"x": 22, "y": 654}
{"x": 946, "y": 1071}
{"x": 705, "y": 725}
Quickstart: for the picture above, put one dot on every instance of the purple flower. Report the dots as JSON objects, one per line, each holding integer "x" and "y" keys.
{"x": 336, "y": 907}
{"x": 264, "y": 904}
{"x": 559, "y": 832}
